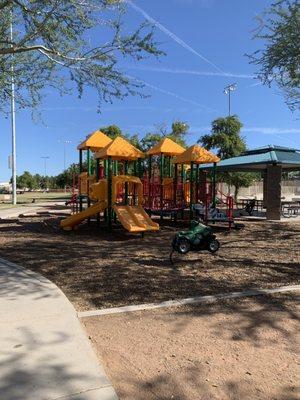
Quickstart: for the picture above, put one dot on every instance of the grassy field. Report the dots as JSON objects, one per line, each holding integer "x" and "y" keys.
{"x": 39, "y": 197}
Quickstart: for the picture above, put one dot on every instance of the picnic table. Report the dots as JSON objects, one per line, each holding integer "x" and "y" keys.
{"x": 290, "y": 208}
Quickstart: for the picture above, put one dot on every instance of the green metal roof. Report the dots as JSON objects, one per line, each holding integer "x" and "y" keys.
{"x": 260, "y": 158}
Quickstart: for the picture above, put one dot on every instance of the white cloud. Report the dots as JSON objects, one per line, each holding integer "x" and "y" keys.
{"x": 271, "y": 130}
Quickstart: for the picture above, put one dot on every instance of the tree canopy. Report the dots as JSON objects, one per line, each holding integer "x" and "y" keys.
{"x": 59, "y": 43}
{"x": 226, "y": 139}
{"x": 114, "y": 131}
{"x": 279, "y": 60}
{"x": 179, "y": 130}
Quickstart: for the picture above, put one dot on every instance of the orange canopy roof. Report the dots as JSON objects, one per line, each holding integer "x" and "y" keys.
{"x": 166, "y": 146}
{"x": 197, "y": 155}
{"x": 120, "y": 149}
{"x": 95, "y": 141}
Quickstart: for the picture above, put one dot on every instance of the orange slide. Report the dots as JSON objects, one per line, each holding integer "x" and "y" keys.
{"x": 71, "y": 222}
{"x": 135, "y": 219}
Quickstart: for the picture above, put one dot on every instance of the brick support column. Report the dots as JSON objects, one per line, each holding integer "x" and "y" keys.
{"x": 265, "y": 191}
{"x": 274, "y": 173}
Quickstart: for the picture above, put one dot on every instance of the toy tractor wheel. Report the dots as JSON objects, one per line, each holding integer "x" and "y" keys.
{"x": 213, "y": 246}
{"x": 184, "y": 246}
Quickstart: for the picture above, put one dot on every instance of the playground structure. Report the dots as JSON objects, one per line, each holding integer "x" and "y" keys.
{"x": 120, "y": 183}
{"x": 107, "y": 184}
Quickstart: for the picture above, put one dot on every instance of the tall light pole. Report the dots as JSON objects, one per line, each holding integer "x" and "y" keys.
{"x": 227, "y": 90}
{"x": 13, "y": 119}
{"x": 45, "y": 158}
{"x": 64, "y": 142}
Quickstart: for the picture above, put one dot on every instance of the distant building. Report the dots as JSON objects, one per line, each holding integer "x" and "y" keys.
{"x": 5, "y": 186}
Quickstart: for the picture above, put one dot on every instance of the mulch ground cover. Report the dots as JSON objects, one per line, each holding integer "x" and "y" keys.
{"x": 97, "y": 269}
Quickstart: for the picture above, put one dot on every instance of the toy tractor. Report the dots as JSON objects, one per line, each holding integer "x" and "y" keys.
{"x": 199, "y": 237}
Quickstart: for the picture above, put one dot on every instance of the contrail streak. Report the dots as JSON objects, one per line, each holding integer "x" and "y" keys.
{"x": 193, "y": 72}
{"x": 171, "y": 34}
{"x": 167, "y": 92}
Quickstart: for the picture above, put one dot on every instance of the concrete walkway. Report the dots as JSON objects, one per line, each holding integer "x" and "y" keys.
{"x": 14, "y": 212}
{"x": 44, "y": 352}
{"x": 49, "y": 206}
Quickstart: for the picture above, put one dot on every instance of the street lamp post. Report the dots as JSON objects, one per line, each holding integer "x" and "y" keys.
{"x": 227, "y": 90}
{"x": 64, "y": 142}
{"x": 13, "y": 121}
{"x": 45, "y": 158}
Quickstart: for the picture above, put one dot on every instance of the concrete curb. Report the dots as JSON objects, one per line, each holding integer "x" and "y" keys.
{"x": 187, "y": 301}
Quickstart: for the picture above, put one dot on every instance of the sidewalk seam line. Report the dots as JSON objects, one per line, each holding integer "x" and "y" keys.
{"x": 82, "y": 391}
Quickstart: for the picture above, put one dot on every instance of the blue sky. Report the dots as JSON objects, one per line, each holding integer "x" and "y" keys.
{"x": 205, "y": 42}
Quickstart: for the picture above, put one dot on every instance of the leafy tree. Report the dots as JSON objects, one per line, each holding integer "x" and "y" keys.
{"x": 225, "y": 137}
{"x": 150, "y": 140}
{"x": 54, "y": 39}
{"x": 27, "y": 181}
{"x": 178, "y": 132}
{"x": 112, "y": 131}
{"x": 66, "y": 177}
{"x": 279, "y": 61}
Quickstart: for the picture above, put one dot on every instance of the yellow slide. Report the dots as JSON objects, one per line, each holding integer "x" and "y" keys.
{"x": 135, "y": 219}
{"x": 74, "y": 220}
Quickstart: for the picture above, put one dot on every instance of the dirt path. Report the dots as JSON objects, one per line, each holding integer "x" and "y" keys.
{"x": 235, "y": 350}
{"x": 96, "y": 269}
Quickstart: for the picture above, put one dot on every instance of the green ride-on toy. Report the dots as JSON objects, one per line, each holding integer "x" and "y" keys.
{"x": 199, "y": 237}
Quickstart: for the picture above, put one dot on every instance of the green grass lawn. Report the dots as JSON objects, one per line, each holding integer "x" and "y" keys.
{"x": 40, "y": 197}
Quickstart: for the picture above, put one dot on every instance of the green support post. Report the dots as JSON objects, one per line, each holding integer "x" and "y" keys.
{"x": 214, "y": 185}
{"x": 149, "y": 179}
{"x": 161, "y": 185}
{"x": 170, "y": 167}
{"x": 191, "y": 191}
{"x": 115, "y": 168}
{"x": 175, "y": 184}
{"x": 197, "y": 184}
{"x": 88, "y": 161}
{"x": 80, "y": 170}
{"x": 80, "y": 161}
{"x": 126, "y": 183}
{"x": 109, "y": 194}
{"x": 97, "y": 169}
{"x": 139, "y": 166}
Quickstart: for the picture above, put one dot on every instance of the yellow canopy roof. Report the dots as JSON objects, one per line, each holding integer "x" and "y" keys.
{"x": 120, "y": 149}
{"x": 197, "y": 155}
{"x": 166, "y": 146}
{"x": 95, "y": 141}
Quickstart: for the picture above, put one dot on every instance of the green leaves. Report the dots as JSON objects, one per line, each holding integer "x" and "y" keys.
{"x": 279, "y": 61}
{"x": 63, "y": 44}
{"x": 225, "y": 138}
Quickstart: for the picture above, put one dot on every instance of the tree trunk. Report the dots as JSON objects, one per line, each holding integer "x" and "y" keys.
{"x": 236, "y": 192}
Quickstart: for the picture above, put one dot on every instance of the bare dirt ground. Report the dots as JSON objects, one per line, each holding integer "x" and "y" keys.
{"x": 242, "y": 349}
{"x": 97, "y": 269}
{"x": 246, "y": 349}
